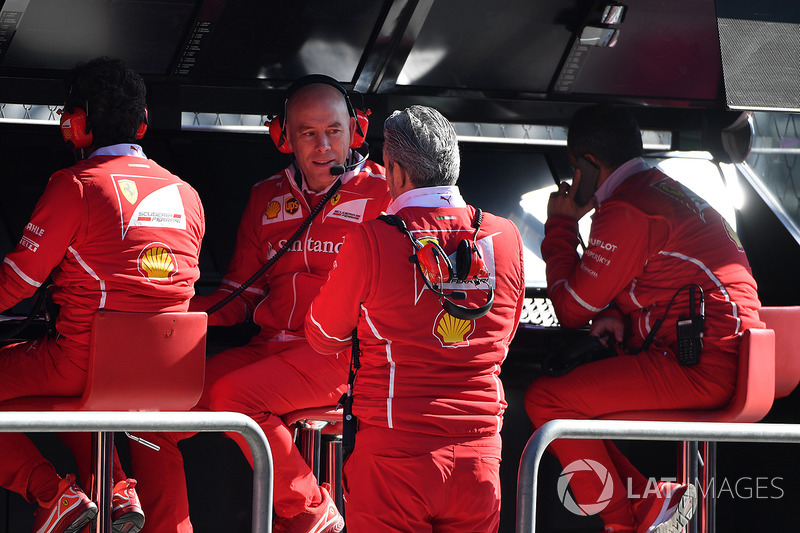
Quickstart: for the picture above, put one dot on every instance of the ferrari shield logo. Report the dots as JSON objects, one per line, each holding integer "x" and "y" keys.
{"x": 129, "y": 190}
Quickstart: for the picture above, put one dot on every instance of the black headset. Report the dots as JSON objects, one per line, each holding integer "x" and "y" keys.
{"x": 435, "y": 268}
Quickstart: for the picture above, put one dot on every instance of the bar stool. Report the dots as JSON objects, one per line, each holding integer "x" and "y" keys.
{"x": 752, "y": 399}
{"x": 163, "y": 370}
{"x": 312, "y": 426}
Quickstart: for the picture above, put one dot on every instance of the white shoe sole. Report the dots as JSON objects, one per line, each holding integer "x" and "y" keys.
{"x": 681, "y": 514}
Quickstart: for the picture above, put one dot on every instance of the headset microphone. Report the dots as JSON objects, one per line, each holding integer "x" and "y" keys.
{"x": 338, "y": 170}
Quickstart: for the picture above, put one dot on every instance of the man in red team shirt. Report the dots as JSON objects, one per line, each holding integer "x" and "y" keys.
{"x": 277, "y": 371}
{"x": 653, "y": 243}
{"x": 427, "y": 392}
{"x": 86, "y": 231}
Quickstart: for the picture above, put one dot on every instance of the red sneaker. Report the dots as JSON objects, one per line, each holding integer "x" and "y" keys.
{"x": 126, "y": 511}
{"x": 68, "y": 512}
{"x": 324, "y": 518}
{"x": 671, "y": 510}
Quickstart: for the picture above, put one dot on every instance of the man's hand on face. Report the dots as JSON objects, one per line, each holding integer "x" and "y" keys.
{"x": 562, "y": 202}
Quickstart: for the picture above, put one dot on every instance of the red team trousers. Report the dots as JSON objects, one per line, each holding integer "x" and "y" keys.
{"x": 648, "y": 380}
{"x": 400, "y": 478}
{"x": 43, "y": 367}
{"x": 264, "y": 380}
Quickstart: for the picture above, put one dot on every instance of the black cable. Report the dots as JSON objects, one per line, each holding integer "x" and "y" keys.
{"x": 241, "y": 288}
{"x": 650, "y": 336}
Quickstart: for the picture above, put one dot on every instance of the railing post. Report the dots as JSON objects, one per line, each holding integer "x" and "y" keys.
{"x": 196, "y": 421}
{"x": 630, "y": 430}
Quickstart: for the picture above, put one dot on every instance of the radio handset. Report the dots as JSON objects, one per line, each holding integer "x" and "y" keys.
{"x": 587, "y": 186}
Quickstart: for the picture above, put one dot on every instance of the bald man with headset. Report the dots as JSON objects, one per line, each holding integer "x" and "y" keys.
{"x": 328, "y": 190}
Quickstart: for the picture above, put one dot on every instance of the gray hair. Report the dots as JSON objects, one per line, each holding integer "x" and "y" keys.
{"x": 424, "y": 143}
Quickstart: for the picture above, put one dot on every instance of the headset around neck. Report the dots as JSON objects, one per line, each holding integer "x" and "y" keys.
{"x": 435, "y": 268}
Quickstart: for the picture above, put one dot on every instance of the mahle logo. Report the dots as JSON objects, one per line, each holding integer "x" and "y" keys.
{"x": 585, "y": 508}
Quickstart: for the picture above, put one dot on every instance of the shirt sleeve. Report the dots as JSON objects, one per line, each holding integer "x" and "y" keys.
{"x": 248, "y": 257}
{"x": 53, "y": 227}
{"x": 582, "y": 286}
{"x": 335, "y": 311}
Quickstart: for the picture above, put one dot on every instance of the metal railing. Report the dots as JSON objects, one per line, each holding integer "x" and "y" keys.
{"x": 98, "y": 421}
{"x": 629, "y": 430}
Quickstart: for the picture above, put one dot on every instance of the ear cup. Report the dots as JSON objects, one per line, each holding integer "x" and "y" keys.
{"x": 143, "y": 126}
{"x": 435, "y": 265}
{"x": 277, "y": 134}
{"x": 75, "y": 128}
{"x": 469, "y": 261}
{"x": 360, "y": 135}
{"x": 463, "y": 259}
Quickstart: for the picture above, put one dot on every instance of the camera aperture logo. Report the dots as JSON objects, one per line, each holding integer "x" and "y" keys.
{"x": 585, "y": 508}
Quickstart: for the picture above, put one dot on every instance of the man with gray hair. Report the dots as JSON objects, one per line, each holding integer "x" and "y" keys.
{"x": 434, "y": 290}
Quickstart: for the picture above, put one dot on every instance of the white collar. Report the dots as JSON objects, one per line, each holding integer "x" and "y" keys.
{"x": 121, "y": 149}
{"x": 448, "y": 196}
{"x": 620, "y": 174}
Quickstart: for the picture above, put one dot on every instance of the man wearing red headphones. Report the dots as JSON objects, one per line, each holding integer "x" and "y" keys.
{"x": 278, "y": 372}
{"x": 89, "y": 231}
{"x": 432, "y": 332}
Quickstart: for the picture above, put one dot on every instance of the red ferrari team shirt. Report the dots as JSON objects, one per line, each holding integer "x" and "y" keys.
{"x": 422, "y": 370}
{"x": 118, "y": 232}
{"x": 650, "y": 237}
{"x": 275, "y": 210}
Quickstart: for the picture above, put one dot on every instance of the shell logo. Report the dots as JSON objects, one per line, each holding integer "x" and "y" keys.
{"x": 452, "y": 331}
{"x": 157, "y": 262}
{"x": 292, "y": 205}
{"x": 273, "y": 208}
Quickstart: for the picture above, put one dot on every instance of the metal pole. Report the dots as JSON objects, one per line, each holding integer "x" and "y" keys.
{"x": 630, "y": 430}
{"x": 113, "y": 421}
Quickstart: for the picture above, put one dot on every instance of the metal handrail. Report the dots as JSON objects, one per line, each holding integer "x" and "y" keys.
{"x": 119, "y": 421}
{"x": 630, "y": 430}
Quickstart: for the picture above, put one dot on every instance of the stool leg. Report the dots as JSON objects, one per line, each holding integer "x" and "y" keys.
{"x": 333, "y": 466}
{"x": 101, "y": 491}
{"x": 310, "y": 440}
{"x": 688, "y": 473}
{"x": 710, "y": 479}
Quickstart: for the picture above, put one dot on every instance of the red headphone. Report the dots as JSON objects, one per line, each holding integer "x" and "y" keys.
{"x": 75, "y": 128}
{"x": 436, "y": 268}
{"x": 277, "y": 125}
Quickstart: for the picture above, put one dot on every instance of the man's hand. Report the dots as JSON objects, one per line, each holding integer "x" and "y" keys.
{"x": 563, "y": 202}
{"x": 605, "y": 326}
